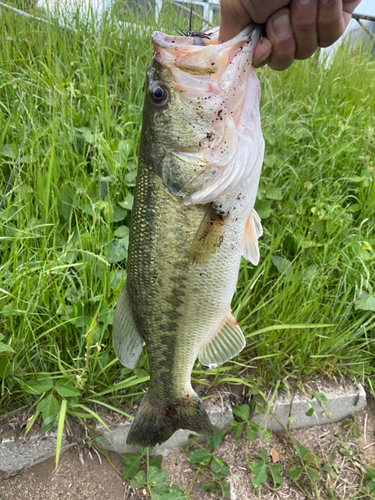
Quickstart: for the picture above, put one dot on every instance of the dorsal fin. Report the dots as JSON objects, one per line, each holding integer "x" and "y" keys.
{"x": 227, "y": 342}
{"x": 126, "y": 340}
{"x": 253, "y": 231}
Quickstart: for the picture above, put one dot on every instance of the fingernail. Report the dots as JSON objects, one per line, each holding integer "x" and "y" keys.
{"x": 304, "y": 2}
{"x": 281, "y": 26}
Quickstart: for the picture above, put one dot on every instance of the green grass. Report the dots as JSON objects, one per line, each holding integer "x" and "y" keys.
{"x": 79, "y": 91}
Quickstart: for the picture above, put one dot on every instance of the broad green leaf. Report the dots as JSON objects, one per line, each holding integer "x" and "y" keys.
{"x": 237, "y": 427}
{"x": 49, "y": 423}
{"x": 371, "y": 486}
{"x": 274, "y": 192}
{"x": 282, "y": 265}
{"x": 143, "y": 451}
{"x": 138, "y": 480}
{"x": 310, "y": 412}
{"x": 117, "y": 251}
{"x": 125, "y": 147}
{"x": 265, "y": 434}
{"x": 156, "y": 461}
{"x": 66, "y": 389}
{"x": 87, "y": 134}
{"x": 302, "y": 452}
{"x": 251, "y": 435}
{"x": 365, "y": 302}
{"x": 275, "y": 470}
{"x": 43, "y": 383}
{"x": 294, "y": 473}
{"x": 159, "y": 490}
{"x": 322, "y": 398}
{"x": 119, "y": 214}
{"x": 370, "y": 473}
{"x": 209, "y": 486}
{"x": 219, "y": 467}
{"x": 270, "y": 160}
{"x": 312, "y": 473}
{"x": 225, "y": 489}
{"x": 201, "y": 457}
{"x": 259, "y": 468}
{"x": 263, "y": 208}
{"x": 48, "y": 406}
{"x": 242, "y": 411}
{"x": 5, "y": 348}
{"x": 121, "y": 232}
{"x": 264, "y": 455}
{"x": 215, "y": 440}
{"x": 156, "y": 475}
{"x": 127, "y": 204}
{"x": 130, "y": 177}
{"x": 9, "y": 151}
{"x": 132, "y": 463}
{"x": 175, "y": 493}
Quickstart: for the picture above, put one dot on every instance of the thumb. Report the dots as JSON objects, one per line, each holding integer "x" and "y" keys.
{"x": 234, "y": 17}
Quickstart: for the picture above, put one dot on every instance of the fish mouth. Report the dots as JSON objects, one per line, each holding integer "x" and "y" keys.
{"x": 211, "y": 37}
{"x": 202, "y": 55}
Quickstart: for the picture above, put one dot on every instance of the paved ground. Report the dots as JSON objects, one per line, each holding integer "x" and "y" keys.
{"x": 88, "y": 477}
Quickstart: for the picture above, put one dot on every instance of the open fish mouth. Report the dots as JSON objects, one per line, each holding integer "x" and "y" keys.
{"x": 202, "y": 56}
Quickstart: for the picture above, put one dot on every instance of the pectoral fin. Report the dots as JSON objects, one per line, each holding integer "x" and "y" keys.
{"x": 253, "y": 231}
{"x": 209, "y": 236}
{"x": 227, "y": 342}
{"x": 126, "y": 339}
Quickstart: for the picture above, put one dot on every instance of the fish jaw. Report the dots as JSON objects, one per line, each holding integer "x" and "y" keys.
{"x": 218, "y": 83}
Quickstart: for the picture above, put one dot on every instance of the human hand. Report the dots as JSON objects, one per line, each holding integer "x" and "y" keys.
{"x": 294, "y": 28}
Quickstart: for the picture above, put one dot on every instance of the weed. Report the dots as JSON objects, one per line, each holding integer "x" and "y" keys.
{"x": 146, "y": 472}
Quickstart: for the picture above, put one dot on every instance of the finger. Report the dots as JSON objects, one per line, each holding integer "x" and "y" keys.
{"x": 331, "y": 23}
{"x": 348, "y": 7}
{"x": 236, "y": 14}
{"x": 304, "y": 23}
{"x": 280, "y": 34}
{"x": 262, "y": 53}
{"x": 233, "y": 18}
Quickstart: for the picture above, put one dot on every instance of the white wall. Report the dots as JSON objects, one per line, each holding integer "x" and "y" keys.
{"x": 366, "y": 7}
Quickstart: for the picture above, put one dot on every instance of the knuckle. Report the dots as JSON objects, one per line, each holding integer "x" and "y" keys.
{"x": 284, "y": 49}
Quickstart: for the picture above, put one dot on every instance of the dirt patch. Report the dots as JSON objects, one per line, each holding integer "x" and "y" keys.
{"x": 89, "y": 478}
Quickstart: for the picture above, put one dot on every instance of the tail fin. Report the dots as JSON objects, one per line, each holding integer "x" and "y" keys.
{"x": 156, "y": 421}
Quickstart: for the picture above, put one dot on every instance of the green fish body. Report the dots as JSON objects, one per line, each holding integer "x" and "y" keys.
{"x": 200, "y": 158}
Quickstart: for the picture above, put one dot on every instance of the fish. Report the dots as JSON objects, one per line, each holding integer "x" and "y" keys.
{"x": 200, "y": 157}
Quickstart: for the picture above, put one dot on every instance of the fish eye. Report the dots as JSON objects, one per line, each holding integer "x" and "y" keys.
{"x": 158, "y": 93}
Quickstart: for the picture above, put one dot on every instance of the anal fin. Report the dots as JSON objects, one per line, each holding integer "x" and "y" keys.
{"x": 126, "y": 339}
{"x": 253, "y": 231}
{"x": 227, "y": 342}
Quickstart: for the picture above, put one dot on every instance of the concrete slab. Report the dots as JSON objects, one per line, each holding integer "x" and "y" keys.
{"x": 343, "y": 399}
{"x": 19, "y": 452}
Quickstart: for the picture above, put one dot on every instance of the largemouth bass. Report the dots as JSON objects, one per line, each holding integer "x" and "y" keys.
{"x": 200, "y": 158}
